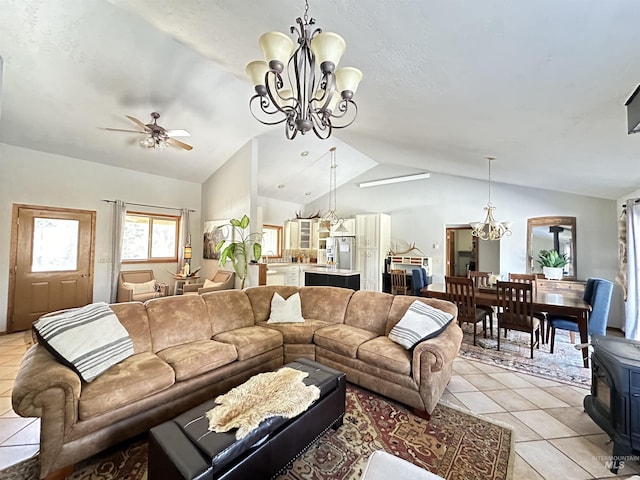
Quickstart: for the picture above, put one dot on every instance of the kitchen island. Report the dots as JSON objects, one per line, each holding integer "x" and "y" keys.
{"x": 323, "y": 276}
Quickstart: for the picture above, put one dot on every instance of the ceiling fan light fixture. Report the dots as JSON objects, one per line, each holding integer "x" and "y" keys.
{"x": 299, "y": 85}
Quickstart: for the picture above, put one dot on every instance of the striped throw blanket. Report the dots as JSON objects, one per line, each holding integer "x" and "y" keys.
{"x": 89, "y": 339}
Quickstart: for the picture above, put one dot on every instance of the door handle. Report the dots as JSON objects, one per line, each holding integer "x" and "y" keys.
{"x": 84, "y": 275}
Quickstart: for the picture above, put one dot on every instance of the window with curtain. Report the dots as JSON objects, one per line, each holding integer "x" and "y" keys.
{"x": 150, "y": 238}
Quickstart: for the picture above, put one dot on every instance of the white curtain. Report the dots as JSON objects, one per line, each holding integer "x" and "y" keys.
{"x": 119, "y": 213}
{"x": 632, "y": 310}
{"x": 184, "y": 237}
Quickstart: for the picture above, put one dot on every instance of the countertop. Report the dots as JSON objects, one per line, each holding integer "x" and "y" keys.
{"x": 329, "y": 271}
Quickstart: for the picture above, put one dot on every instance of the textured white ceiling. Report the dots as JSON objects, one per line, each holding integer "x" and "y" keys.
{"x": 540, "y": 85}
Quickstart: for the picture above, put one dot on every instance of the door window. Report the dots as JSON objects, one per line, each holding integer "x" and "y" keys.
{"x": 55, "y": 245}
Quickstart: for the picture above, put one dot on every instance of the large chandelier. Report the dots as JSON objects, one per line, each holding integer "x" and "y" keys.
{"x": 490, "y": 229}
{"x": 291, "y": 89}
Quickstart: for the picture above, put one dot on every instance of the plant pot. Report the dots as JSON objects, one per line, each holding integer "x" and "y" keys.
{"x": 553, "y": 273}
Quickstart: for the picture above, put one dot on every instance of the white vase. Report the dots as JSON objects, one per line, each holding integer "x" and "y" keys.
{"x": 553, "y": 273}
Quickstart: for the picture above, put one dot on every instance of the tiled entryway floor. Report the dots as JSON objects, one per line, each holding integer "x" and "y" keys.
{"x": 554, "y": 437}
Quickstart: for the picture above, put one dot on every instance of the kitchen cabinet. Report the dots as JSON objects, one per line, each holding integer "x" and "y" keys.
{"x": 301, "y": 234}
{"x": 291, "y": 235}
{"x": 373, "y": 240}
{"x": 350, "y": 226}
{"x": 286, "y": 274}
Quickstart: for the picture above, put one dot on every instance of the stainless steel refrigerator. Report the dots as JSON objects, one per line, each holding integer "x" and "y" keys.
{"x": 342, "y": 251}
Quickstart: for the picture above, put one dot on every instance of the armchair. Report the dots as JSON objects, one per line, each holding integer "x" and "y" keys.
{"x": 139, "y": 286}
{"x": 222, "y": 280}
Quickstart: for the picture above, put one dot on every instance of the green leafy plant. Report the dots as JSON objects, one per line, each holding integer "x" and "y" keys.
{"x": 551, "y": 258}
{"x": 237, "y": 249}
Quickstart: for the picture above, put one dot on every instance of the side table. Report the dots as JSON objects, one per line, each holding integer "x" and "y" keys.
{"x": 181, "y": 281}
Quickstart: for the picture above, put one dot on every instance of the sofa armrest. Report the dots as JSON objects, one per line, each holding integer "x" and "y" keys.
{"x": 433, "y": 354}
{"x": 192, "y": 287}
{"x": 46, "y": 388}
{"x": 124, "y": 294}
{"x": 213, "y": 289}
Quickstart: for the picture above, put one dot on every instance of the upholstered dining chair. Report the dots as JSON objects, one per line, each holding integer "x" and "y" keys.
{"x": 399, "y": 282}
{"x": 461, "y": 292}
{"x": 418, "y": 280}
{"x": 597, "y": 293}
{"x": 515, "y": 311}
{"x": 531, "y": 278}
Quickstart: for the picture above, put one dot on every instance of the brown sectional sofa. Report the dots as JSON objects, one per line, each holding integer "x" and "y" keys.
{"x": 191, "y": 348}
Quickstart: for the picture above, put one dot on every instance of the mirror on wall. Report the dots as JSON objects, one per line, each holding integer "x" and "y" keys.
{"x": 552, "y": 233}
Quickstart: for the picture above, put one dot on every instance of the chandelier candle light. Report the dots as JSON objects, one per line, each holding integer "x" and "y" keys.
{"x": 490, "y": 229}
{"x": 290, "y": 87}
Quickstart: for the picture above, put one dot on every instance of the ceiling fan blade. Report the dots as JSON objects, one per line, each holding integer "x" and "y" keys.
{"x": 178, "y": 143}
{"x": 178, "y": 133}
{"x": 137, "y": 122}
{"x": 122, "y": 130}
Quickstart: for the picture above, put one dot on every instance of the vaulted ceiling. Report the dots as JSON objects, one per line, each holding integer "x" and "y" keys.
{"x": 539, "y": 85}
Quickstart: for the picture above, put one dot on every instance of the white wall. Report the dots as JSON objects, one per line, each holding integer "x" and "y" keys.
{"x": 37, "y": 178}
{"x": 421, "y": 210}
{"x": 231, "y": 192}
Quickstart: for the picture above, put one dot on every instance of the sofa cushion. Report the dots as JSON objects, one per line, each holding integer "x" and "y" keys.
{"x": 88, "y": 339}
{"x": 210, "y": 283}
{"x": 328, "y": 304}
{"x": 420, "y": 322}
{"x": 191, "y": 359}
{"x": 260, "y": 299}
{"x": 401, "y": 304}
{"x": 132, "y": 379}
{"x": 228, "y": 310}
{"x": 297, "y": 332}
{"x": 251, "y": 341}
{"x": 285, "y": 311}
{"x": 133, "y": 317}
{"x": 369, "y": 311}
{"x": 177, "y": 320}
{"x": 342, "y": 339}
{"x": 383, "y": 353}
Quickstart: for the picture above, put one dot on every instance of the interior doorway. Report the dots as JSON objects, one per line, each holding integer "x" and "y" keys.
{"x": 51, "y": 262}
{"x": 462, "y": 251}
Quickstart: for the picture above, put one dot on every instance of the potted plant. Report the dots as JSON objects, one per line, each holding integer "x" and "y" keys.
{"x": 238, "y": 248}
{"x": 552, "y": 263}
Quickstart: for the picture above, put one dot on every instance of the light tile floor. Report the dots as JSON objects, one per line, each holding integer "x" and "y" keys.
{"x": 554, "y": 437}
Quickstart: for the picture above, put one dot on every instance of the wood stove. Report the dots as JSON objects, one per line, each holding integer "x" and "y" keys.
{"x": 614, "y": 403}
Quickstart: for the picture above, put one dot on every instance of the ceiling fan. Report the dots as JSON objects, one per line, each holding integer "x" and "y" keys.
{"x": 158, "y": 136}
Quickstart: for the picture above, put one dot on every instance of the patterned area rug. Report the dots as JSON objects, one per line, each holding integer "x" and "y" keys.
{"x": 563, "y": 365}
{"x": 453, "y": 443}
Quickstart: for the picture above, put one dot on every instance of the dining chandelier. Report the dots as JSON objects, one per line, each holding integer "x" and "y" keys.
{"x": 490, "y": 229}
{"x": 302, "y": 87}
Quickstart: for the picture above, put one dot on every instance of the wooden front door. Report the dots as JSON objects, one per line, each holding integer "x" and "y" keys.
{"x": 51, "y": 264}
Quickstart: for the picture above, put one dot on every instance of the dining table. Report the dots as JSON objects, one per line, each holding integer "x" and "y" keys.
{"x": 543, "y": 301}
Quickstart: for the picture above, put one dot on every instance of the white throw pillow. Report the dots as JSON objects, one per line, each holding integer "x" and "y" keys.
{"x": 89, "y": 339}
{"x": 138, "y": 288}
{"x": 209, "y": 283}
{"x": 285, "y": 311}
{"x": 420, "y": 322}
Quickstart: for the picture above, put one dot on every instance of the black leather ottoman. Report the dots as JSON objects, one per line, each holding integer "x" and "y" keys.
{"x": 179, "y": 449}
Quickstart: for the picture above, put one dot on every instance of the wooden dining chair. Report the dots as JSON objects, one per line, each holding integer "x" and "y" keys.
{"x": 460, "y": 291}
{"x": 532, "y": 279}
{"x": 515, "y": 311}
{"x": 399, "y": 282}
{"x": 482, "y": 280}
{"x": 479, "y": 279}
